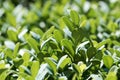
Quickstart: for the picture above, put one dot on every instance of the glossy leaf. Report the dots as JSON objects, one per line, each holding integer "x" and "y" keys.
{"x": 16, "y": 49}
{"x": 111, "y": 76}
{"x": 52, "y": 64}
{"x": 75, "y": 17}
{"x": 108, "y": 61}
{"x": 68, "y": 45}
{"x": 12, "y": 35}
{"x": 76, "y": 68}
{"x": 33, "y": 43}
{"x": 68, "y": 23}
{"x": 58, "y": 35}
{"x": 43, "y": 70}
{"x": 34, "y": 68}
{"x": 91, "y": 52}
{"x": 63, "y": 62}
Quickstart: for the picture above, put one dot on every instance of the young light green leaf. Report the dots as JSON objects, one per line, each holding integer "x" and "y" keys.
{"x": 34, "y": 68}
{"x": 108, "y": 61}
{"x": 43, "y": 70}
{"x": 47, "y": 34}
{"x": 75, "y": 17}
{"x": 8, "y": 53}
{"x": 4, "y": 74}
{"x": 26, "y": 58}
{"x": 45, "y": 10}
{"x": 38, "y": 31}
{"x": 52, "y": 64}
{"x": 11, "y": 19}
{"x": 16, "y": 49}
{"x": 111, "y": 76}
{"x": 58, "y": 35}
{"x": 83, "y": 23}
{"x": 68, "y": 23}
{"x": 33, "y": 43}
{"x": 12, "y": 35}
{"x": 103, "y": 43}
{"x": 63, "y": 62}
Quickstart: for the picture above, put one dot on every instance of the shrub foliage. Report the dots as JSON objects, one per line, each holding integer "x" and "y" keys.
{"x": 59, "y": 40}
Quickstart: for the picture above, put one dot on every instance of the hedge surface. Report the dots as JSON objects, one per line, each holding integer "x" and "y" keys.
{"x": 59, "y": 40}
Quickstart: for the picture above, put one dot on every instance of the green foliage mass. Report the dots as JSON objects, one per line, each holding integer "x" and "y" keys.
{"x": 59, "y": 39}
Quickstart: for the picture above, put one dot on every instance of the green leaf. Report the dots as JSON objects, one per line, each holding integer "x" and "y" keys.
{"x": 68, "y": 45}
{"x": 68, "y": 23}
{"x": 51, "y": 41}
{"x": 11, "y": 19}
{"x": 47, "y": 34}
{"x": 91, "y": 52}
{"x": 83, "y": 23}
{"x": 26, "y": 70}
{"x": 108, "y": 61}
{"x": 76, "y": 68}
{"x": 82, "y": 67}
{"x": 31, "y": 17}
{"x": 111, "y": 76}
{"x": 16, "y": 49}
{"x": 8, "y": 53}
{"x": 52, "y": 64}
{"x": 3, "y": 70}
{"x": 33, "y": 43}
{"x": 2, "y": 64}
{"x": 12, "y": 35}
{"x": 34, "y": 68}
{"x": 63, "y": 62}
{"x": 43, "y": 70}
{"x": 75, "y": 17}
{"x": 95, "y": 77}
{"x": 82, "y": 56}
{"x": 17, "y": 62}
{"x": 45, "y": 10}
{"x": 23, "y": 75}
{"x": 99, "y": 55}
{"x": 114, "y": 69}
{"x": 103, "y": 43}
{"x": 26, "y": 58}
{"x": 37, "y": 30}
{"x": 58, "y": 35}
{"x": 78, "y": 35}
{"x": 62, "y": 78}
{"x": 4, "y": 74}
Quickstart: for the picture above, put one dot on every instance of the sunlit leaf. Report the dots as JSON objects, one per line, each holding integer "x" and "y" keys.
{"x": 63, "y": 62}
{"x": 68, "y": 23}
{"x": 16, "y": 49}
{"x": 33, "y": 43}
{"x": 52, "y": 64}
{"x": 108, "y": 61}
{"x": 35, "y": 68}
{"x": 75, "y": 17}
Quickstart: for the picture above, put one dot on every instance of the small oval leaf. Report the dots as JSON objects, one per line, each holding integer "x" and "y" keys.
{"x": 108, "y": 61}
{"x": 68, "y": 23}
{"x": 74, "y": 16}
